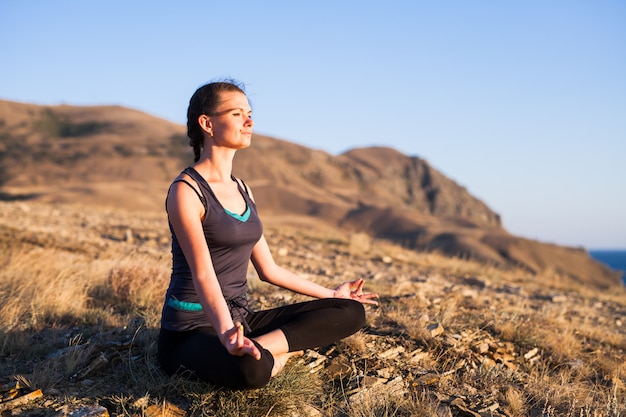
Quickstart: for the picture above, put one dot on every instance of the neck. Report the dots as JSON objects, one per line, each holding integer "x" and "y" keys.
{"x": 216, "y": 164}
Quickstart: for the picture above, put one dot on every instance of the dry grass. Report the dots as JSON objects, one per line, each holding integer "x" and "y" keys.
{"x": 80, "y": 312}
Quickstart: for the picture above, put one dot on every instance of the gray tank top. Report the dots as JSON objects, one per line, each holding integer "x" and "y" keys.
{"x": 230, "y": 237}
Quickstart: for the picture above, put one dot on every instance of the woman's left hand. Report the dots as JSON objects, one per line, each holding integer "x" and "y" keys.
{"x": 354, "y": 291}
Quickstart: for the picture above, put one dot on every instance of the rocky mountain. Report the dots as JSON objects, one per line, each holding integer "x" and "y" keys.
{"x": 110, "y": 155}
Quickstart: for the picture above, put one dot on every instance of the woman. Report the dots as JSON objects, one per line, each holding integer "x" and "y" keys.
{"x": 206, "y": 327}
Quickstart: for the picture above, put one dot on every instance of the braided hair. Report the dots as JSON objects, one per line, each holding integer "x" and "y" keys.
{"x": 204, "y": 101}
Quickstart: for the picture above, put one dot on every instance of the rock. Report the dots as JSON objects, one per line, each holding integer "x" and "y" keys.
{"x": 435, "y": 329}
{"x": 450, "y": 341}
{"x": 164, "y": 410}
{"x": 318, "y": 360}
{"x": 338, "y": 368}
{"x": 510, "y": 365}
{"x": 379, "y": 389}
{"x": 482, "y": 348}
{"x": 88, "y": 411}
{"x": 386, "y": 373}
{"x": 391, "y": 353}
{"x": 142, "y": 402}
{"x": 531, "y": 353}
{"x": 488, "y": 362}
{"x": 428, "y": 379}
{"x": 503, "y": 357}
{"x": 463, "y": 409}
{"x": 417, "y": 356}
{"x": 469, "y": 293}
{"x": 491, "y": 409}
{"x": 20, "y": 400}
{"x": 128, "y": 236}
{"x": 97, "y": 364}
{"x": 575, "y": 363}
{"x": 306, "y": 410}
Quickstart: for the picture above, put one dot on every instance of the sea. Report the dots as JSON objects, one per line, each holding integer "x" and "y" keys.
{"x": 615, "y": 259}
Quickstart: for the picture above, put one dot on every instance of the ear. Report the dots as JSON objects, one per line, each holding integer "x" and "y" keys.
{"x": 205, "y": 124}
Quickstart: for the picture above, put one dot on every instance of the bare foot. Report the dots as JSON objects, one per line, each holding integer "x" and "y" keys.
{"x": 281, "y": 360}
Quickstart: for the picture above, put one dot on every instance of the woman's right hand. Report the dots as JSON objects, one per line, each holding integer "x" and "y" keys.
{"x": 237, "y": 344}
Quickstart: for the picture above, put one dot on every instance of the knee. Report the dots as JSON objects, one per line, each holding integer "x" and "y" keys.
{"x": 355, "y": 314}
{"x": 254, "y": 373}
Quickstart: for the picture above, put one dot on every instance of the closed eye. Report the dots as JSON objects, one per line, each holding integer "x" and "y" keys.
{"x": 234, "y": 112}
{"x": 237, "y": 114}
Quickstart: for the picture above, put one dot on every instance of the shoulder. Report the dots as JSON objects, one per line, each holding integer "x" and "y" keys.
{"x": 185, "y": 191}
{"x": 184, "y": 182}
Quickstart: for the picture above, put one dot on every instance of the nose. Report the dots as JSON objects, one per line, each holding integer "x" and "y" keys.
{"x": 249, "y": 121}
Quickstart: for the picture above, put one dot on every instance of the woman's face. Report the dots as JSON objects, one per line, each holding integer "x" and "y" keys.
{"x": 231, "y": 123}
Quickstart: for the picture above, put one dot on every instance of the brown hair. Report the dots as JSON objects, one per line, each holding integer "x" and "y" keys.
{"x": 205, "y": 101}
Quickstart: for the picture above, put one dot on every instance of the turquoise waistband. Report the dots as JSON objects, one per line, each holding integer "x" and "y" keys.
{"x": 183, "y": 305}
{"x": 187, "y": 306}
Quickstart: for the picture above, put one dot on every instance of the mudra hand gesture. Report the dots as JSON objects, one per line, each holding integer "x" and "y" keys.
{"x": 237, "y": 344}
{"x": 354, "y": 290}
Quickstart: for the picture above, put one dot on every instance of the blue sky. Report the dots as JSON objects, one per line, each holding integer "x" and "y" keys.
{"x": 523, "y": 103}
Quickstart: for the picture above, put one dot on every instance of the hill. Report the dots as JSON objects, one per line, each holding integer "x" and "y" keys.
{"x": 119, "y": 157}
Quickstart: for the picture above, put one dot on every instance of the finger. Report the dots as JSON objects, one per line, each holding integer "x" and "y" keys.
{"x": 250, "y": 348}
{"x": 255, "y": 352}
{"x": 240, "y": 337}
{"x": 357, "y": 283}
{"x": 368, "y": 299}
{"x": 370, "y": 295}
{"x": 359, "y": 288}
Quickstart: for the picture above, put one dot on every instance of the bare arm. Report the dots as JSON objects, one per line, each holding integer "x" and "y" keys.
{"x": 185, "y": 212}
{"x": 270, "y": 272}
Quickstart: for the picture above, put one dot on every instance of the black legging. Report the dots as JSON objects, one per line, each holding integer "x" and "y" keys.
{"x": 305, "y": 325}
